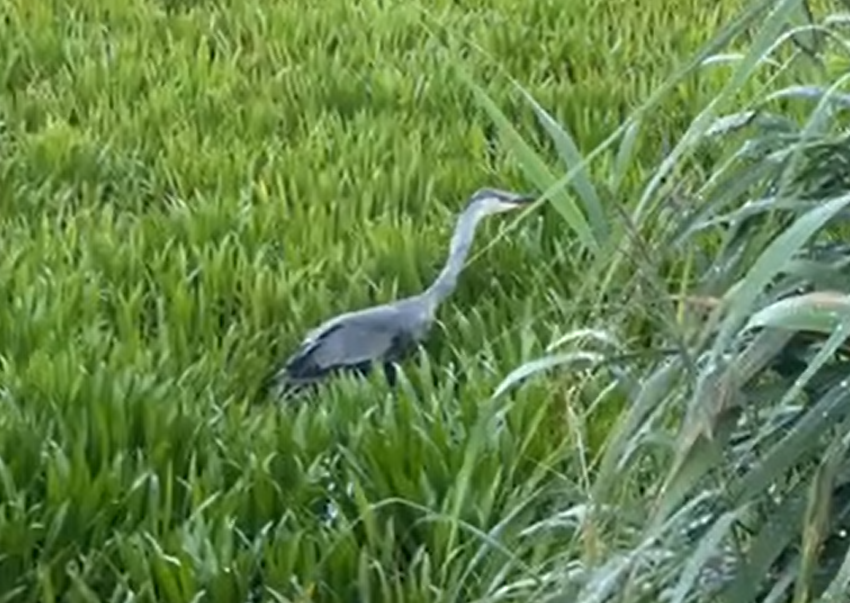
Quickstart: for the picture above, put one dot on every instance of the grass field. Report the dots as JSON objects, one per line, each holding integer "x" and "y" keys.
{"x": 187, "y": 187}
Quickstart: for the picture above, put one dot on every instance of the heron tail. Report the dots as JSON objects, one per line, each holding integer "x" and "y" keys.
{"x": 284, "y": 385}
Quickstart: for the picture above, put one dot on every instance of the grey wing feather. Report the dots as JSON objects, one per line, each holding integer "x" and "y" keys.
{"x": 348, "y": 340}
{"x": 353, "y": 342}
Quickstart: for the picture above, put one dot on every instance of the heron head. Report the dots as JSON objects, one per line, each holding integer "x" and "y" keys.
{"x": 494, "y": 201}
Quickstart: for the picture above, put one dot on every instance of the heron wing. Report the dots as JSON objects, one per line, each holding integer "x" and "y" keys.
{"x": 349, "y": 340}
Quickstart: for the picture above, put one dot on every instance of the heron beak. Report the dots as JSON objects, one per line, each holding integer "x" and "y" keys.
{"x": 521, "y": 200}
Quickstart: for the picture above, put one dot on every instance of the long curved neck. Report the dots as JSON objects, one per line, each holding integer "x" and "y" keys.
{"x": 462, "y": 239}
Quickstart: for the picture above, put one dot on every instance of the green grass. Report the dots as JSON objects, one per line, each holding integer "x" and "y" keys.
{"x": 186, "y": 188}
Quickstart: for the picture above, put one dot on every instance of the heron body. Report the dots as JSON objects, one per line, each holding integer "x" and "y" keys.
{"x": 385, "y": 334}
{"x": 355, "y": 341}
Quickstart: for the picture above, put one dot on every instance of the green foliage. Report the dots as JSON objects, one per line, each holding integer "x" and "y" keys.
{"x": 724, "y": 478}
{"x": 186, "y": 187}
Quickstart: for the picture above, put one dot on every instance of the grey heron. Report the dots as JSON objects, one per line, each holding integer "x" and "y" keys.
{"x": 385, "y": 334}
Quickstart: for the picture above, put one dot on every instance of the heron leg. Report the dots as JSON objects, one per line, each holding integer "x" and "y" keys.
{"x": 363, "y": 369}
{"x": 390, "y": 373}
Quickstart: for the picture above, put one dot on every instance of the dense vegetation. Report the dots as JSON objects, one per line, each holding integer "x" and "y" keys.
{"x": 638, "y": 393}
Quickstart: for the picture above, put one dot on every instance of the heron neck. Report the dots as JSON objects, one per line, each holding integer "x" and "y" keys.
{"x": 461, "y": 243}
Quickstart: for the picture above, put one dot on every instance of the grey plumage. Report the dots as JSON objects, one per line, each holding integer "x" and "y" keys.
{"x": 386, "y": 333}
